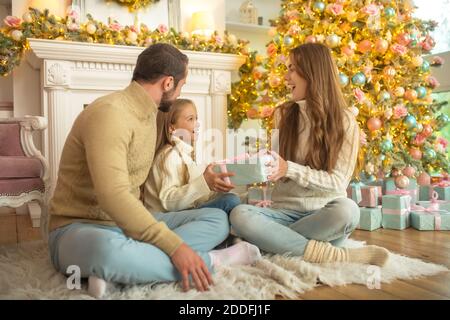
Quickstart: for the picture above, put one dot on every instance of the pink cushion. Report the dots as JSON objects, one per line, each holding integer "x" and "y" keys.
{"x": 19, "y": 167}
{"x": 14, "y": 187}
{"x": 10, "y": 140}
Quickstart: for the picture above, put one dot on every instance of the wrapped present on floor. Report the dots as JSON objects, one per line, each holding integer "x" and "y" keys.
{"x": 388, "y": 184}
{"x": 396, "y": 211}
{"x": 405, "y": 192}
{"x": 354, "y": 191}
{"x": 260, "y": 196}
{"x": 370, "y": 218}
{"x": 443, "y": 190}
{"x": 370, "y": 196}
{"x": 425, "y": 193}
{"x": 429, "y": 216}
{"x": 248, "y": 169}
{"x": 435, "y": 202}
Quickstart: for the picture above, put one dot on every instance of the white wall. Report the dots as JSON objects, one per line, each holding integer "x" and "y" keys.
{"x": 6, "y": 83}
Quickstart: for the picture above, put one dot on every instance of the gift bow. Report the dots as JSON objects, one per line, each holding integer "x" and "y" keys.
{"x": 442, "y": 184}
{"x": 433, "y": 209}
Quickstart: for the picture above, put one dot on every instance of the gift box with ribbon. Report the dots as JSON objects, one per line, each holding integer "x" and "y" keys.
{"x": 429, "y": 216}
{"x": 388, "y": 185}
{"x": 354, "y": 191}
{"x": 405, "y": 192}
{"x": 248, "y": 169}
{"x": 396, "y": 210}
{"x": 443, "y": 190}
{"x": 370, "y": 218}
{"x": 371, "y": 196}
{"x": 260, "y": 196}
{"x": 425, "y": 193}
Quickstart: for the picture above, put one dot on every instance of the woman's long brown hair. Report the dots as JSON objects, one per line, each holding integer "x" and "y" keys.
{"x": 324, "y": 106}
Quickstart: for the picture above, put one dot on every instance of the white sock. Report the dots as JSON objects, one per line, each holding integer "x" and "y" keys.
{"x": 239, "y": 254}
{"x": 96, "y": 287}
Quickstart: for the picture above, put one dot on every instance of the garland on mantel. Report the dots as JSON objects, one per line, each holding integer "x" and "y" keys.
{"x": 134, "y": 5}
{"x": 43, "y": 25}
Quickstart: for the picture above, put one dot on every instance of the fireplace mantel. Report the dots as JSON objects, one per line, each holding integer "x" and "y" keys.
{"x": 73, "y": 74}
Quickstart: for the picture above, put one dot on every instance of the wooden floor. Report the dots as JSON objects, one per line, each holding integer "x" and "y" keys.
{"x": 426, "y": 245}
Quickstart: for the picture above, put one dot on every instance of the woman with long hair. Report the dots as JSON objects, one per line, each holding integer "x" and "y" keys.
{"x": 318, "y": 141}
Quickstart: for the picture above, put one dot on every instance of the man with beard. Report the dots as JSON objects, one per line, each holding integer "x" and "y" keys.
{"x": 97, "y": 222}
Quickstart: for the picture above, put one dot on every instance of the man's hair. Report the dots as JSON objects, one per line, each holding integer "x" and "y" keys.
{"x": 160, "y": 60}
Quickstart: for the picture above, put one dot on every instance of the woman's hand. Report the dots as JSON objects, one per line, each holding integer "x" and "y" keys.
{"x": 278, "y": 167}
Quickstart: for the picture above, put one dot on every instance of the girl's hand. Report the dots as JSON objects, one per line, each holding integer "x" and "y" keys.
{"x": 278, "y": 167}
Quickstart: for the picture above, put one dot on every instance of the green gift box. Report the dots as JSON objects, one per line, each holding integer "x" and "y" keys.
{"x": 425, "y": 193}
{"x": 369, "y": 219}
{"x": 443, "y": 193}
{"x": 430, "y": 220}
{"x": 388, "y": 185}
{"x": 354, "y": 191}
{"x": 247, "y": 169}
{"x": 396, "y": 211}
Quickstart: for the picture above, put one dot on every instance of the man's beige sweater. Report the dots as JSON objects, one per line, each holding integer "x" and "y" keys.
{"x": 106, "y": 158}
{"x": 307, "y": 189}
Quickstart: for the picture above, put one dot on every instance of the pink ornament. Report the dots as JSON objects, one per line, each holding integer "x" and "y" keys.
{"x": 365, "y": 46}
{"x": 359, "y": 95}
{"x": 409, "y": 171}
{"x": 12, "y": 21}
{"x": 347, "y": 51}
{"x": 401, "y": 182}
{"x": 399, "y": 49}
{"x": 415, "y": 153}
{"x": 419, "y": 139}
{"x": 403, "y": 38}
{"x": 400, "y": 111}
{"x": 411, "y": 95}
{"x": 162, "y": 28}
{"x": 374, "y": 124}
{"x": 381, "y": 46}
{"x": 424, "y": 179}
{"x": 427, "y": 130}
{"x": 311, "y": 39}
{"x": 266, "y": 112}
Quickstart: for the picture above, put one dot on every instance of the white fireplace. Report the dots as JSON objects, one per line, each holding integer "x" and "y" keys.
{"x": 74, "y": 74}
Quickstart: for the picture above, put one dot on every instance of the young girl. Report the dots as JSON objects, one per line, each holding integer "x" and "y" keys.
{"x": 175, "y": 181}
{"x": 318, "y": 147}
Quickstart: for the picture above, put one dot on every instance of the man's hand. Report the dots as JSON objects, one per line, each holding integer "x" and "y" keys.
{"x": 188, "y": 263}
{"x": 216, "y": 181}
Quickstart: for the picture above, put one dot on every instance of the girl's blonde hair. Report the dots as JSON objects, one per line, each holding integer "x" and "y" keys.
{"x": 325, "y": 109}
{"x": 163, "y": 122}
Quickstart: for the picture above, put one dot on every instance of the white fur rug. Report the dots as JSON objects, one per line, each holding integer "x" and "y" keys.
{"x": 26, "y": 273}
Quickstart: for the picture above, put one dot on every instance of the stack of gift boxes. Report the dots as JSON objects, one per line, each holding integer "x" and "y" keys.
{"x": 383, "y": 205}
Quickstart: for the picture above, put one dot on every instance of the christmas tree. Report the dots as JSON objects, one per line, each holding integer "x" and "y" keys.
{"x": 378, "y": 47}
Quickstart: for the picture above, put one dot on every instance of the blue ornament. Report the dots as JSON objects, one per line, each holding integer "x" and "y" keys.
{"x": 319, "y": 6}
{"x": 359, "y": 79}
{"x": 288, "y": 40}
{"x": 425, "y": 66}
{"x": 421, "y": 92}
{"x": 386, "y": 145}
{"x": 343, "y": 79}
{"x": 442, "y": 120}
{"x": 429, "y": 154}
{"x": 389, "y": 12}
{"x": 384, "y": 96}
{"x": 410, "y": 122}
